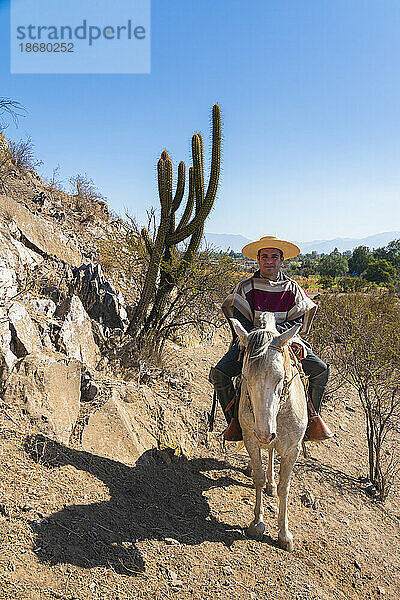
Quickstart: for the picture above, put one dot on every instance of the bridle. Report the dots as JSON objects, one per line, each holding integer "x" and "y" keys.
{"x": 288, "y": 355}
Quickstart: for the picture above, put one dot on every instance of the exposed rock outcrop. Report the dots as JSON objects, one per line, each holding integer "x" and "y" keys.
{"x": 99, "y": 297}
{"x": 121, "y": 430}
{"x": 47, "y": 386}
{"x": 25, "y": 336}
{"x": 39, "y": 234}
{"x": 43, "y": 305}
{"x": 7, "y": 357}
{"x": 75, "y": 338}
{"x": 15, "y": 259}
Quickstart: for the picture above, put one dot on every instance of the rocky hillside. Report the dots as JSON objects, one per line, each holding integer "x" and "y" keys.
{"x": 110, "y": 486}
{"x": 60, "y": 322}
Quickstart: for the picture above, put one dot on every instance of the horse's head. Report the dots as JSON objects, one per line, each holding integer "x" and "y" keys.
{"x": 264, "y": 372}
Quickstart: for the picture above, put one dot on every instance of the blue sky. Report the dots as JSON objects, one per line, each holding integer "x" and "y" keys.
{"x": 310, "y": 97}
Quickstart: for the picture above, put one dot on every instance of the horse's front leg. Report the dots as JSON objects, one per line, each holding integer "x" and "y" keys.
{"x": 285, "y": 537}
{"x": 257, "y": 526}
{"x": 270, "y": 488}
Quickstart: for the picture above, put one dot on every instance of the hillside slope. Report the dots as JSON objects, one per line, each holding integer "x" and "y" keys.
{"x": 75, "y": 525}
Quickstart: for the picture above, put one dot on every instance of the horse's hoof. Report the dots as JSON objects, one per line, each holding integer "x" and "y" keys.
{"x": 286, "y": 544}
{"x": 256, "y": 530}
{"x": 270, "y": 490}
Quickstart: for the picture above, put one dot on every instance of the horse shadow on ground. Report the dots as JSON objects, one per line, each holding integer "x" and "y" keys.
{"x": 161, "y": 497}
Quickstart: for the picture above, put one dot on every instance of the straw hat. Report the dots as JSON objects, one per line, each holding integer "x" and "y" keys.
{"x": 270, "y": 241}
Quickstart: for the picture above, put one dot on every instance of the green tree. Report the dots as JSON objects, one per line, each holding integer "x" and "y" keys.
{"x": 293, "y": 267}
{"x": 391, "y": 253}
{"x": 333, "y": 265}
{"x": 381, "y": 271}
{"x": 359, "y": 260}
{"x": 309, "y": 265}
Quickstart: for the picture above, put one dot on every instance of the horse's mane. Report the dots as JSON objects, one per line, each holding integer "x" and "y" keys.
{"x": 260, "y": 339}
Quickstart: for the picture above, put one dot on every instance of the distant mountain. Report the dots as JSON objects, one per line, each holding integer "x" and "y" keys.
{"x": 326, "y": 246}
{"x": 223, "y": 241}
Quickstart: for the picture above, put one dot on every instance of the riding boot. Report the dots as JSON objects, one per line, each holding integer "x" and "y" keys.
{"x": 225, "y": 393}
{"x": 317, "y": 430}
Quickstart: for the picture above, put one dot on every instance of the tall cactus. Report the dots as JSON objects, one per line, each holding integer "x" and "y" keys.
{"x": 162, "y": 274}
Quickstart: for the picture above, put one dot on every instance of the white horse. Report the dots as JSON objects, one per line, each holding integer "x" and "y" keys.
{"x": 272, "y": 414}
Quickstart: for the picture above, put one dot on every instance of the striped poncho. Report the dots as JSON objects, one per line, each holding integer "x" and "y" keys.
{"x": 283, "y": 297}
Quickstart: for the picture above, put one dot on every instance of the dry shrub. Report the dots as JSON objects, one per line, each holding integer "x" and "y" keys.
{"x": 360, "y": 335}
{"x": 16, "y": 158}
{"x": 83, "y": 187}
{"x": 86, "y": 198}
{"x": 193, "y": 310}
{"x": 198, "y": 296}
{"x": 22, "y": 155}
{"x": 123, "y": 257}
{"x": 55, "y": 184}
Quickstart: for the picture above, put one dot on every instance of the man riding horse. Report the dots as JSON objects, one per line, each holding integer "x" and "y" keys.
{"x": 269, "y": 289}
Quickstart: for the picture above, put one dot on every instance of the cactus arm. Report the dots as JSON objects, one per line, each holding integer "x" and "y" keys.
{"x": 197, "y": 153}
{"x": 201, "y": 150}
{"x": 189, "y": 204}
{"x": 147, "y": 241}
{"x": 215, "y": 156}
{"x": 164, "y": 170}
{"x": 180, "y": 187}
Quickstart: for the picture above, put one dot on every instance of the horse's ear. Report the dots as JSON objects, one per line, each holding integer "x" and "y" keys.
{"x": 286, "y": 336}
{"x": 241, "y": 332}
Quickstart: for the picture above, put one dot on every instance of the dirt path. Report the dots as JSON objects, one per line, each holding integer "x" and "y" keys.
{"x": 77, "y": 526}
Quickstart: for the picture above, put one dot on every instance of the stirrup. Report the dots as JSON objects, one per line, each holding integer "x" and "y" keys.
{"x": 317, "y": 430}
{"x": 233, "y": 433}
